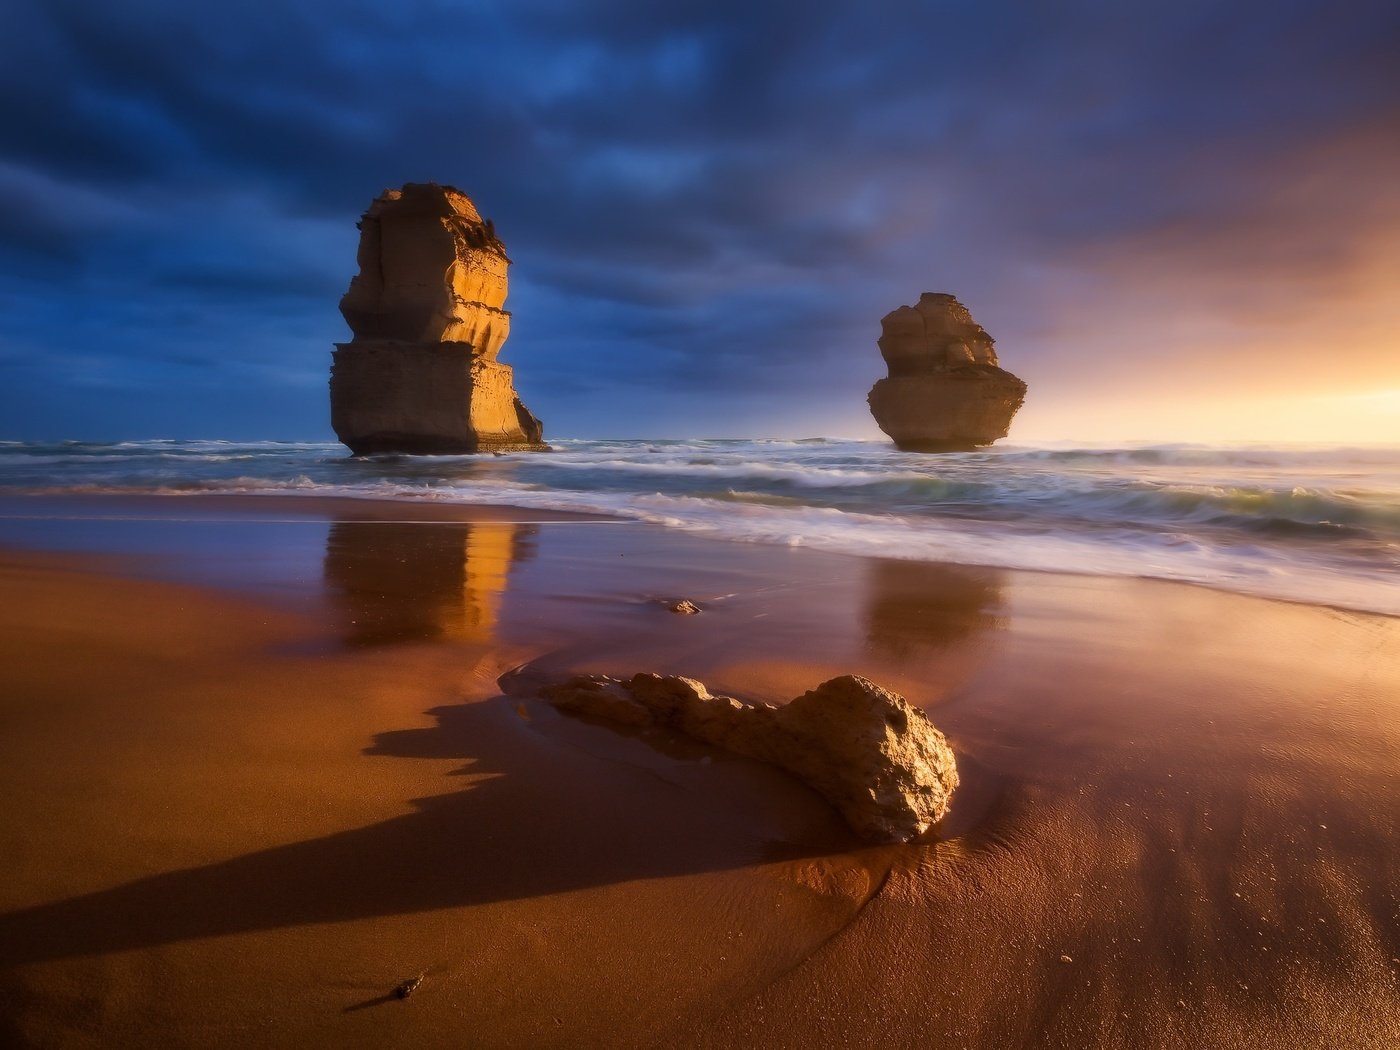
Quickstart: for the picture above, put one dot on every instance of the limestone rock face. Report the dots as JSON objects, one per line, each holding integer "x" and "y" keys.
{"x": 428, "y": 317}
{"x": 878, "y": 760}
{"x": 945, "y": 391}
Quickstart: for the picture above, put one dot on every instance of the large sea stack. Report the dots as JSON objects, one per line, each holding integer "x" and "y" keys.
{"x": 945, "y": 391}
{"x": 426, "y": 310}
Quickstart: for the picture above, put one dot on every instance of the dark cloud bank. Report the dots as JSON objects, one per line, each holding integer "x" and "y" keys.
{"x": 709, "y": 205}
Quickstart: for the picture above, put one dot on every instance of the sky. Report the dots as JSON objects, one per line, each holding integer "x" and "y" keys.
{"x": 1180, "y": 221}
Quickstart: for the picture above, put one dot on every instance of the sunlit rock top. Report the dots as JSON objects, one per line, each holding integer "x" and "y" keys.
{"x": 431, "y": 271}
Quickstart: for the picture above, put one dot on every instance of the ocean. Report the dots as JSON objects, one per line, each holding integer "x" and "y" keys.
{"x": 1314, "y": 524}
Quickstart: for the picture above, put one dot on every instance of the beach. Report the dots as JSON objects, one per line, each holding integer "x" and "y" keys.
{"x": 260, "y": 773}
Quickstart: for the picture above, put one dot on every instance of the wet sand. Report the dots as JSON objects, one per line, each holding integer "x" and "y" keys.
{"x": 258, "y": 773}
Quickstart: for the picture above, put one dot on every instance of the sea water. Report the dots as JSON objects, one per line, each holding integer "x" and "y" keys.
{"x": 1310, "y": 524}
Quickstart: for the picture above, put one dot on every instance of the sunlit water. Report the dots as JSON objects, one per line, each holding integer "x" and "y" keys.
{"x": 1308, "y": 524}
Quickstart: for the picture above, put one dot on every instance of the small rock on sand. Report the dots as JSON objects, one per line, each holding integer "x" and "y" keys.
{"x": 864, "y": 749}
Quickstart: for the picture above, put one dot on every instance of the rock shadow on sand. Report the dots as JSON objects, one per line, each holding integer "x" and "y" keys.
{"x": 540, "y": 817}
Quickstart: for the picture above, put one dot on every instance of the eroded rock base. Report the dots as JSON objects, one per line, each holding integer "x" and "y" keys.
{"x": 949, "y": 411}
{"x": 439, "y": 398}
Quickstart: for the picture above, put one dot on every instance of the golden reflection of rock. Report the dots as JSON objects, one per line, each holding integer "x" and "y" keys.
{"x": 918, "y": 609}
{"x": 394, "y": 582}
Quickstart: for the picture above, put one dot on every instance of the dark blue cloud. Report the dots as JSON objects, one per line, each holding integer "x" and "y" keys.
{"x": 709, "y": 204}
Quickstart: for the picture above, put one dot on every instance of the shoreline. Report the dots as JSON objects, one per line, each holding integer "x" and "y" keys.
{"x": 321, "y": 507}
{"x": 261, "y": 775}
{"x": 1316, "y": 525}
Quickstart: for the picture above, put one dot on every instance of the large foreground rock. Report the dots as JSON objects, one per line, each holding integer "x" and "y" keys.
{"x": 428, "y": 317}
{"x": 878, "y": 760}
{"x": 945, "y": 390}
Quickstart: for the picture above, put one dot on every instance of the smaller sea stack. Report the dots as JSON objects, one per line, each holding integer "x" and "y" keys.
{"x": 945, "y": 391}
{"x": 427, "y": 313}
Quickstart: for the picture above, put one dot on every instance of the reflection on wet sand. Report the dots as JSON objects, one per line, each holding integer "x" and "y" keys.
{"x": 413, "y": 582}
{"x": 918, "y": 609}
